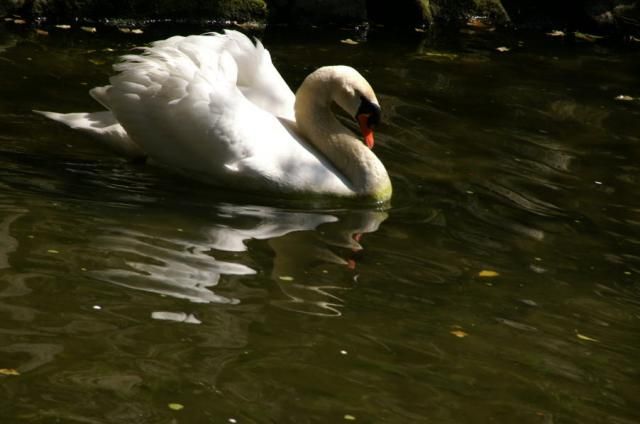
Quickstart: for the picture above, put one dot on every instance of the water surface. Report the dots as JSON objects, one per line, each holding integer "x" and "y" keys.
{"x": 124, "y": 289}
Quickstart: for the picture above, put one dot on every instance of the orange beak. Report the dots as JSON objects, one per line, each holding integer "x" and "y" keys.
{"x": 367, "y": 132}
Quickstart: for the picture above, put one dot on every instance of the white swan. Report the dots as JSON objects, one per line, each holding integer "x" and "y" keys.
{"x": 214, "y": 107}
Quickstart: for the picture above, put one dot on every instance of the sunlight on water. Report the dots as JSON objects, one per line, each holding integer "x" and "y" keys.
{"x": 500, "y": 285}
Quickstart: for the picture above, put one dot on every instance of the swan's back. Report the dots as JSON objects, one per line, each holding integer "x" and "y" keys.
{"x": 179, "y": 59}
{"x": 196, "y": 102}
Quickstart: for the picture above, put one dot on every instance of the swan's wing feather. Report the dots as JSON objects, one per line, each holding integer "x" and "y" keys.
{"x": 182, "y": 105}
{"x": 99, "y": 94}
{"x": 258, "y": 78}
{"x": 101, "y": 125}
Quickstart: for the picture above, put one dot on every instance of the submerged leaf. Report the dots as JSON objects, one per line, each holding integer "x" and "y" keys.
{"x": 459, "y": 333}
{"x": 440, "y": 55}
{"x": 285, "y": 278}
{"x": 587, "y": 338}
{"x": 176, "y": 406}
{"x": 480, "y": 23}
{"x": 9, "y": 371}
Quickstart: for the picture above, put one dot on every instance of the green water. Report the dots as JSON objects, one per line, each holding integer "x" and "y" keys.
{"x": 124, "y": 289}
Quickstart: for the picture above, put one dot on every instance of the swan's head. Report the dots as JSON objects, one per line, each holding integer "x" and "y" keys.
{"x": 348, "y": 89}
{"x": 356, "y": 97}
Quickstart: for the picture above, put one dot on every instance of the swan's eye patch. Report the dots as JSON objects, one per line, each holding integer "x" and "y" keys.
{"x": 369, "y": 109}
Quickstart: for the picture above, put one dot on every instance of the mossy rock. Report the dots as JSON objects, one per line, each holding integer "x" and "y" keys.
{"x": 174, "y": 9}
{"x": 413, "y": 13}
{"x": 455, "y": 11}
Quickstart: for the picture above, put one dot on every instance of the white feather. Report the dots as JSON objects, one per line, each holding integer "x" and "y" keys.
{"x": 103, "y": 126}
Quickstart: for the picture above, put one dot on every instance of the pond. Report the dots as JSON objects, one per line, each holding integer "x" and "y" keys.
{"x": 501, "y": 284}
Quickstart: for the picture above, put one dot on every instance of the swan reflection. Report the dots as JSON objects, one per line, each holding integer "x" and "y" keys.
{"x": 296, "y": 254}
{"x": 296, "y": 260}
{"x": 188, "y": 264}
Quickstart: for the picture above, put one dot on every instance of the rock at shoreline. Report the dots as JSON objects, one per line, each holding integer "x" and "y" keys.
{"x": 397, "y": 13}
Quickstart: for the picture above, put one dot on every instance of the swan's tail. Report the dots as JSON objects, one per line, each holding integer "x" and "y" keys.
{"x": 102, "y": 126}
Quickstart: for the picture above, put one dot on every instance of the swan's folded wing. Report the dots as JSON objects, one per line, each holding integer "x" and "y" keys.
{"x": 258, "y": 79}
{"x": 181, "y": 104}
{"x": 162, "y": 99}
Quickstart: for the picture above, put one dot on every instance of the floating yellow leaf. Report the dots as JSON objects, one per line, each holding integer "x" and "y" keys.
{"x": 349, "y": 41}
{"x": 502, "y": 49}
{"x": 624, "y": 98}
{"x": 9, "y": 371}
{"x": 136, "y": 31}
{"x": 88, "y": 29}
{"x": 176, "y": 406}
{"x": 587, "y": 338}
{"x": 349, "y": 417}
{"x": 459, "y": 333}
{"x": 487, "y": 273}
{"x": 285, "y": 278}
{"x": 63, "y": 26}
{"x": 53, "y": 251}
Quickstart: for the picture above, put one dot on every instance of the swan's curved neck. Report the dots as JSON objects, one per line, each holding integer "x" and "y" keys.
{"x": 315, "y": 120}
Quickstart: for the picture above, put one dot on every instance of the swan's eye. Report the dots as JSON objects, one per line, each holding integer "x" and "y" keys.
{"x": 369, "y": 109}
